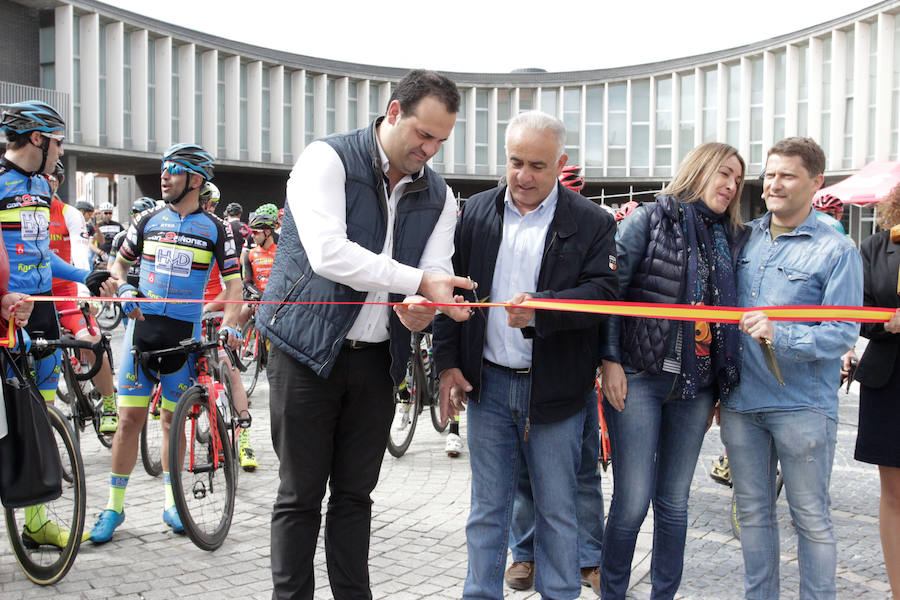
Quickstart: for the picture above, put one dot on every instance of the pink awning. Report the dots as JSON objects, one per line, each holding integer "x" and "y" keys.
{"x": 870, "y": 185}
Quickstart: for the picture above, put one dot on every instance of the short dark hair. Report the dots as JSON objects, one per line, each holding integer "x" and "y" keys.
{"x": 419, "y": 83}
{"x": 14, "y": 140}
{"x": 807, "y": 149}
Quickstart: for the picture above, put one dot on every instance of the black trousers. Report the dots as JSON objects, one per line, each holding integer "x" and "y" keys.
{"x": 331, "y": 430}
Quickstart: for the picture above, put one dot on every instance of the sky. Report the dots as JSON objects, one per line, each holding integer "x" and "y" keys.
{"x": 496, "y": 36}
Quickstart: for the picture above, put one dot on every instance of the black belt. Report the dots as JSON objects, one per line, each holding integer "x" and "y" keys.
{"x": 357, "y": 345}
{"x": 522, "y": 371}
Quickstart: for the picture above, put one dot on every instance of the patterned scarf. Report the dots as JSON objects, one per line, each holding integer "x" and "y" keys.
{"x": 710, "y": 280}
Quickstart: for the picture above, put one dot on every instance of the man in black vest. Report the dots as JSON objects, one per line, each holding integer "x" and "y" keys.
{"x": 366, "y": 221}
{"x": 527, "y": 372}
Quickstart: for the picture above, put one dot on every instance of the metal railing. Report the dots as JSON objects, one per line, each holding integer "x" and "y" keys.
{"x": 14, "y": 92}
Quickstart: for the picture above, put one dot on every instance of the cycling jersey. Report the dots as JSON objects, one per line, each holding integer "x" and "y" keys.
{"x": 259, "y": 265}
{"x": 176, "y": 257}
{"x": 134, "y": 269}
{"x": 109, "y": 230}
{"x": 214, "y": 286}
{"x": 67, "y": 241}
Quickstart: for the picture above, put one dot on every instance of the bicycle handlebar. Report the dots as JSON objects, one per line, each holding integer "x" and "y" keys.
{"x": 186, "y": 347}
{"x": 98, "y": 349}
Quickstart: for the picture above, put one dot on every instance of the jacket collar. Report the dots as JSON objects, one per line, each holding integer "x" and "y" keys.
{"x": 807, "y": 227}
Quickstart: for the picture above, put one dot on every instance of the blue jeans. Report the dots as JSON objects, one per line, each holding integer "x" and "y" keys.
{"x": 804, "y": 441}
{"x": 655, "y": 442}
{"x": 552, "y": 455}
{"x": 589, "y": 501}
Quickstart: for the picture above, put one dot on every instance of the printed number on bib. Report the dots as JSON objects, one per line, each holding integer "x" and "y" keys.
{"x": 174, "y": 261}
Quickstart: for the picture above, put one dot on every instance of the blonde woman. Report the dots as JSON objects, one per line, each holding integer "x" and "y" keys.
{"x": 879, "y": 376}
{"x": 662, "y": 378}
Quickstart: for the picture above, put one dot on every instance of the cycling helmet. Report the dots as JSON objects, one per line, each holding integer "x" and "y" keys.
{"x": 625, "y": 210}
{"x": 571, "y": 179}
{"x": 106, "y": 206}
{"x": 268, "y": 209}
{"x": 141, "y": 204}
{"x": 262, "y": 221}
{"x": 84, "y": 206}
{"x": 830, "y": 205}
{"x": 191, "y": 156}
{"x": 209, "y": 193}
{"x": 234, "y": 210}
{"x": 31, "y": 115}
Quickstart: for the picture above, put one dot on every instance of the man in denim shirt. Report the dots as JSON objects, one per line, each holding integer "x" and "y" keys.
{"x": 791, "y": 258}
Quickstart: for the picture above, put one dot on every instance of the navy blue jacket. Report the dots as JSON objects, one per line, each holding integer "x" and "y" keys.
{"x": 313, "y": 333}
{"x": 578, "y": 263}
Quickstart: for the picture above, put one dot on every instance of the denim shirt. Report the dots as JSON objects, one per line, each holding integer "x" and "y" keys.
{"x": 812, "y": 265}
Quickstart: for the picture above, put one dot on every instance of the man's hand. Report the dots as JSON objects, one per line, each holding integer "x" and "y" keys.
{"x": 438, "y": 288}
{"x": 413, "y": 314}
{"x": 893, "y": 326}
{"x": 131, "y": 309}
{"x": 13, "y": 304}
{"x": 517, "y": 318}
{"x": 614, "y": 384}
{"x": 233, "y": 336}
{"x": 453, "y": 391}
{"x": 758, "y": 326}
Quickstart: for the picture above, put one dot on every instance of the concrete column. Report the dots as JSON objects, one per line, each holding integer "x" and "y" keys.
{"x": 492, "y": 132}
{"x": 698, "y": 107}
{"x": 298, "y": 112}
{"x": 254, "y": 111}
{"x": 814, "y": 79}
{"x": 233, "y": 107}
{"x": 139, "y": 88}
{"x": 768, "y": 107}
{"x": 63, "y": 41}
{"x": 341, "y": 95}
{"x": 209, "y": 130}
{"x": 628, "y": 119}
{"x": 835, "y": 153}
{"x": 792, "y": 70}
{"x": 471, "y": 113}
{"x": 721, "y": 102}
{"x": 320, "y": 111}
{"x": 746, "y": 84}
{"x": 384, "y": 96}
{"x": 90, "y": 78}
{"x": 187, "y": 77}
{"x": 163, "y": 96}
{"x": 861, "y": 101}
{"x": 276, "y": 114}
{"x": 115, "y": 88}
{"x": 651, "y": 140}
{"x": 676, "y": 118}
{"x": 883, "y": 84}
{"x": 363, "y": 89}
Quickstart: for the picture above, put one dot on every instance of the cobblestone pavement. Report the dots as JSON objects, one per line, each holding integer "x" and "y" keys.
{"x": 418, "y": 532}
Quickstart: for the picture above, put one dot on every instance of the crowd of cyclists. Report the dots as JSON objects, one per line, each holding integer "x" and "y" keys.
{"x": 172, "y": 249}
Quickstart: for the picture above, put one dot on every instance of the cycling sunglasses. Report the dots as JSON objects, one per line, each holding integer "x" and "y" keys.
{"x": 60, "y": 138}
{"x": 174, "y": 168}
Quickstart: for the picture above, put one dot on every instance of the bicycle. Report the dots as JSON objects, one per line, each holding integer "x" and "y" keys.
{"x": 46, "y": 564}
{"x": 254, "y": 350}
{"x": 420, "y": 388}
{"x": 81, "y": 396}
{"x": 109, "y": 316}
{"x": 202, "y": 467}
{"x": 152, "y": 435}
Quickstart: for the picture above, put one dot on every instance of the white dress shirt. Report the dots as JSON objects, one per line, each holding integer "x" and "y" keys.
{"x": 315, "y": 193}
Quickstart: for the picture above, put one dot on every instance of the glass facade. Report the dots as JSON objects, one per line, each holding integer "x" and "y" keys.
{"x": 266, "y": 115}
{"x": 617, "y": 129}
{"x": 151, "y": 94}
{"x": 849, "y": 100}
{"x": 755, "y": 160}
{"x": 663, "y": 133}
{"x": 175, "y": 93}
{"x": 803, "y": 90}
{"x": 780, "y": 81}
{"x": 459, "y": 135}
{"x": 686, "y": 121}
{"x": 710, "y": 104}
{"x": 482, "y": 98}
{"x": 640, "y": 128}
{"x": 593, "y": 130}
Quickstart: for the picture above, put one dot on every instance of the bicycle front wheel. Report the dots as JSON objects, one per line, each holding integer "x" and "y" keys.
{"x": 201, "y": 466}
{"x": 28, "y": 529}
{"x": 110, "y": 315}
{"x": 151, "y": 437}
{"x": 251, "y": 354}
{"x": 406, "y": 414}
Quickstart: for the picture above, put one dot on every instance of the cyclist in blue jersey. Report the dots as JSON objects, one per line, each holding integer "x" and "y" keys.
{"x": 177, "y": 244}
{"x": 34, "y": 133}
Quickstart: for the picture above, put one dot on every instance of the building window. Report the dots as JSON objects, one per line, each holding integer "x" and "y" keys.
{"x": 803, "y": 91}
{"x": 102, "y": 85}
{"x": 710, "y": 104}
{"x": 756, "y": 115}
{"x": 265, "y": 116}
{"x": 733, "y": 106}
{"x": 482, "y": 98}
{"x": 176, "y": 87}
{"x": 849, "y": 99}
{"x": 242, "y": 110}
{"x": 76, "y": 79}
{"x": 504, "y": 114}
{"x": 873, "y": 87}
{"x": 151, "y": 94}
{"x": 616, "y": 129}
{"x": 593, "y": 131}
{"x": 198, "y": 97}
{"x": 780, "y": 79}
{"x": 286, "y": 117}
{"x": 459, "y": 134}
{"x": 47, "y": 39}
{"x": 526, "y": 100}
{"x": 825, "y": 142}
{"x": 663, "y": 150}
{"x": 686, "y": 119}
{"x": 375, "y": 110}
{"x": 309, "y": 109}
{"x": 329, "y": 105}
{"x": 549, "y": 101}
{"x": 640, "y": 128}
{"x": 572, "y": 120}
{"x": 126, "y": 90}
{"x": 352, "y": 101}
{"x": 220, "y": 106}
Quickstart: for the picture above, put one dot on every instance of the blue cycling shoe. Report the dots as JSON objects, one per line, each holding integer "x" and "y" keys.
{"x": 106, "y": 525}
{"x": 171, "y": 518}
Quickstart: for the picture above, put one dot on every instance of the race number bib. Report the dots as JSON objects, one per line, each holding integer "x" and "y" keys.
{"x": 174, "y": 261}
{"x": 34, "y": 226}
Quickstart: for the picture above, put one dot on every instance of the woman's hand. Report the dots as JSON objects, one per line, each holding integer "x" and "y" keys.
{"x": 14, "y": 304}
{"x": 614, "y": 384}
{"x": 893, "y": 326}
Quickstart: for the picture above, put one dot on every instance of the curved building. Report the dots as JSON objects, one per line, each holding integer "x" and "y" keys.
{"x": 131, "y": 85}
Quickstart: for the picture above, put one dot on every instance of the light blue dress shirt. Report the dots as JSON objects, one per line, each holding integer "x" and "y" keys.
{"x": 517, "y": 269}
{"x": 812, "y": 265}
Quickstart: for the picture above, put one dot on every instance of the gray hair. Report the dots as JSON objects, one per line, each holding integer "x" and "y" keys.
{"x": 538, "y": 121}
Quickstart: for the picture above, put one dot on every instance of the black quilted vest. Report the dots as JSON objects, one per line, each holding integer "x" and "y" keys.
{"x": 659, "y": 278}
